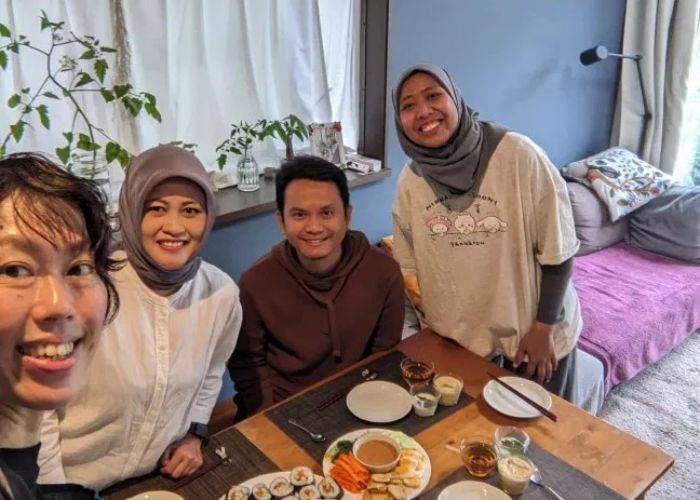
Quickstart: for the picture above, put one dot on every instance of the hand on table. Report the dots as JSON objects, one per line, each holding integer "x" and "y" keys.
{"x": 182, "y": 458}
{"x": 538, "y": 345}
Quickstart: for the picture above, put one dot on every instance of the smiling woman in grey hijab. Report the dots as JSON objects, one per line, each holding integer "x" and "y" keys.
{"x": 483, "y": 221}
{"x": 145, "y": 172}
{"x": 456, "y": 165}
{"x": 156, "y": 374}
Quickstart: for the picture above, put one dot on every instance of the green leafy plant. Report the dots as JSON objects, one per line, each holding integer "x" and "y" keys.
{"x": 285, "y": 130}
{"x": 240, "y": 140}
{"x": 65, "y": 78}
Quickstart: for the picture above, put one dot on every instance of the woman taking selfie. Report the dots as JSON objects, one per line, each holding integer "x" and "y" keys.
{"x": 482, "y": 219}
{"x": 55, "y": 296}
{"x": 157, "y": 374}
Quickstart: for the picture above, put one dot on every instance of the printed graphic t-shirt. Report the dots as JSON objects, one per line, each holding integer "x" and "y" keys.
{"x": 478, "y": 256}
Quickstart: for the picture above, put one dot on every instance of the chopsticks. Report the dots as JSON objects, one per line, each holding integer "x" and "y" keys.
{"x": 522, "y": 396}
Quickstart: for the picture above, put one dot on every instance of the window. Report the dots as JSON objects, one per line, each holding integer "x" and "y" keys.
{"x": 688, "y": 162}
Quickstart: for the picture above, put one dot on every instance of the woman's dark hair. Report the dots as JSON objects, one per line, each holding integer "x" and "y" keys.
{"x": 42, "y": 192}
{"x": 312, "y": 168}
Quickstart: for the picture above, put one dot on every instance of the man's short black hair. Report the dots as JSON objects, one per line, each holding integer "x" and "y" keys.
{"x": 43, "y": 195}
{"x": 312, "y": 168}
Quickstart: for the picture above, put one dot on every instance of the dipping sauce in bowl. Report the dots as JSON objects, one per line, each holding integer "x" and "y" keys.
{"x": 377, "y": 452}
{"x": 515, "y": 472}
{"x": 449, "y": 386}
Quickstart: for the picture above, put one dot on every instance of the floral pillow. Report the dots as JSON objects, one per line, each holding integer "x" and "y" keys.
{"x": 622, "y": 180}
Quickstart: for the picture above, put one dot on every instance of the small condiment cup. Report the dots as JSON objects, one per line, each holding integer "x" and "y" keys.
{"x": 449, "y": 386}
{"x": 376, "y": 436}
{"x": 515, "y": 472}
{"x": 425, "y": 399}
{"x": 510, "y": 440}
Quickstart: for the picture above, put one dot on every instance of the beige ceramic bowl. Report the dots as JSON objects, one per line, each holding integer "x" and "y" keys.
{"x": 376, "y": 436}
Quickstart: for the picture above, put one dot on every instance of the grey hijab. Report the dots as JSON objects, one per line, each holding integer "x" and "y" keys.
{"x": 145, "y": 172}
{"x": 457, "y": 166}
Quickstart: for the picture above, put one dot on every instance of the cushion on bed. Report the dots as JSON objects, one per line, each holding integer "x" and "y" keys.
{"x": 636, "y": 306}
{"x": 594, "y": 228}
{"x": 622, "y": 180}
{"x": 669, "y": 225}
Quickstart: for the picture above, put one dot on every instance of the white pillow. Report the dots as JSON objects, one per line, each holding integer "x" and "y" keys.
{"x": 622, "y": 180}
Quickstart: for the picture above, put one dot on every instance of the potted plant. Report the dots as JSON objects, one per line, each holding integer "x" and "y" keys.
{"x": 65, "y": 78}
{"x": 240, "y": 142}
{"x": 285, "y": 130}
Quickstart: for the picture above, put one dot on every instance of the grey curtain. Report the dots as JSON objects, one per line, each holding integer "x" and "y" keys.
{"x": 664, "y": 32}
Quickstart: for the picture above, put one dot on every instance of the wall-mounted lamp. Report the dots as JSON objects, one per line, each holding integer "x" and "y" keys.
{"x": 596, "y": 54}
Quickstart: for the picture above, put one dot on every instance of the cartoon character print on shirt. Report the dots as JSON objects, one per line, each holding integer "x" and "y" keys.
{"x": 465, "y": 228}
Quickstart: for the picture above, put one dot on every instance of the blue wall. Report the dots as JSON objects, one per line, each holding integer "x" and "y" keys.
{"x": 516, "y": 62}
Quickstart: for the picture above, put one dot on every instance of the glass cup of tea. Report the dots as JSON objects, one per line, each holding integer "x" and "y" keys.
{"x": 425, "y": 399}
{"x": 414, "y": 371}
{"x": 478, "y": 455}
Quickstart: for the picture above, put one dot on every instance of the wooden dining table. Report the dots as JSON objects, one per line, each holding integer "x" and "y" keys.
{"x": 618, "y": 460}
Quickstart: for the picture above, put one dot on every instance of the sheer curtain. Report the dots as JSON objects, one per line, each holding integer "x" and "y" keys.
{"x": 664, "y": 32}
{"x": 209, "y": 63}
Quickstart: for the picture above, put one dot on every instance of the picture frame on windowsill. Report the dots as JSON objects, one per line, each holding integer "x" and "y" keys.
{"x": 327, "y": 142}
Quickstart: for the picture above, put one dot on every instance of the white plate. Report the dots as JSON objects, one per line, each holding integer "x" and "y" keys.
{"x": 266, "y": 479}
{"x": 405, "y": 442}
{"x": 379, "y": 401}
{"x": 504, "y": 401}
{"x": 157, "y": 495}
{"x": 472, "y": 490}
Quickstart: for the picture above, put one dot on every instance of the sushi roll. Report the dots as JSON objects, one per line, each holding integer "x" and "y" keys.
{"x": 261, "y": 492}
{"x": 280, "y": 487}
{"x": 309, "y": 492}
{"x": 328, "y": 488}
{"x": 291, "y": 497}
{"x": 301, "y": 476}
{"x": 238, "y": 493}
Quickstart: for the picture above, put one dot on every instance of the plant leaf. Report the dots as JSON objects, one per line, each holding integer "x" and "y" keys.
{"x": 100, "y": 69}
{"x": 151, "y": 110}
{"x": 4, "y": 31}
{"x": 44, "y": 21}
{"x": 68, "y": 136}
{"x": 108, "y": 49}
{"x": 88, "y": 54}
{"x": 107, "y": 94}
{"x": 86, "y": 144}
{"x": 83, "y": 80}
{"x": 14, "y": 100}
{"x": 50, "y": 95}
{"x": 124, "y": 158}
{"x": 150, "y": 98}
{"x": 133, "y": 105}
{"x": 14, "y": 47}
{"x": 63, "y": 154}
{"x": 3, "y": 59}
{"x": 221, "y": 161}
{"x": 121, "y": 90}
{"x": 112, "y": 151}
{"x": 17, "y": 130}
{"x": 43, "y": 115}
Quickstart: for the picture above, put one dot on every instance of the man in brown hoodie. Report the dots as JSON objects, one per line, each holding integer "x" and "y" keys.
{"x": 317, "y": 302}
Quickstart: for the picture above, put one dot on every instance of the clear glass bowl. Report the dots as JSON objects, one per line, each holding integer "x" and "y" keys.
{"x": 510, "y": 440}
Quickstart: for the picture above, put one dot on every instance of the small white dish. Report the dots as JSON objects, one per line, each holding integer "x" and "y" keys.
{"x": 157, "y": 495}
{"x": 472, "y": 490}
{"x": 379, "y": 401}
{"x": 377, "y": 436}
{"x": 503, "y": 401}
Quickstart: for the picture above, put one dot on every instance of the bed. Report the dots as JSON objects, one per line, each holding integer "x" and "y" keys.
{"x": 636, "y": 307}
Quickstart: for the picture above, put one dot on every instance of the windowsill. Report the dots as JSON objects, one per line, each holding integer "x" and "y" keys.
{"x": 234, "y": 205}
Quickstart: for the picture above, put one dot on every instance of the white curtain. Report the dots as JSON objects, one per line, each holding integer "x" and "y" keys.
{"x": 664, "y": 32}
{"x": 209, "y": 63}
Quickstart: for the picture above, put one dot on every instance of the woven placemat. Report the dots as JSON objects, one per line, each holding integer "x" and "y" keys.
{"x": 336, "y": 420}
{"x": 213, "y": 479}
{"x": 569, "y": 482}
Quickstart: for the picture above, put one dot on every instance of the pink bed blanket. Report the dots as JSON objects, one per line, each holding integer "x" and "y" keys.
{"x": 636, "y": 306}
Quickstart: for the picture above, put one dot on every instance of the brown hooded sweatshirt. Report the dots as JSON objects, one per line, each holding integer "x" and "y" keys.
{"x": 299, "y": 327}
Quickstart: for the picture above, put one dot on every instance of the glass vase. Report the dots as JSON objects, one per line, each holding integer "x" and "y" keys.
{"x": 95, "y": 169}
{"x": 248, "y": 172}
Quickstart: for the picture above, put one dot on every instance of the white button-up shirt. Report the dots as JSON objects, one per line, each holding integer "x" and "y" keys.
{"x": 157, "y": 368}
